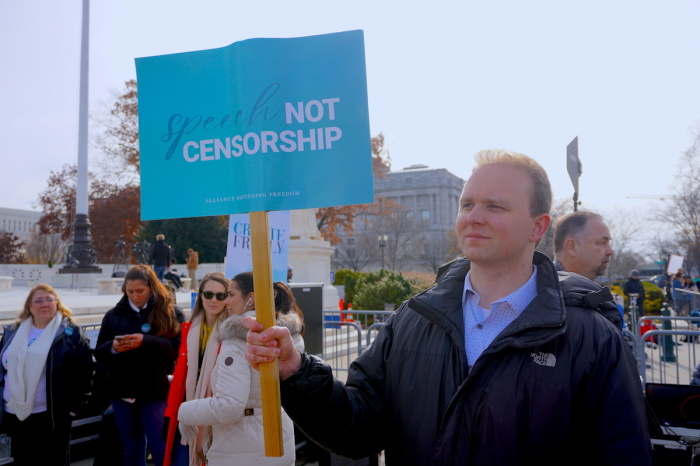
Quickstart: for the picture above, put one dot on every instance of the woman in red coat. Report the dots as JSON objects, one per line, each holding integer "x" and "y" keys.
{"x": 198, "y": 352}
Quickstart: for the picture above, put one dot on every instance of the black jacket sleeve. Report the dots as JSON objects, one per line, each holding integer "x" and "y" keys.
{"x": 349, "y": 420}
{"x": 612, "y": 400}
{"x": 81, "y": 368}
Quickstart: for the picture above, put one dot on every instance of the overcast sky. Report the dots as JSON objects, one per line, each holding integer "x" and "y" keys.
{"x": 445, "y": 79}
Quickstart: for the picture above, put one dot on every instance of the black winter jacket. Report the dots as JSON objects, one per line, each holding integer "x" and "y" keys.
{"x": 69, "y": 368}
{"x": 161, "y": 254}
{"x": 634, "y": 285}
{"x": 601, "y": 300}
{"x": 141, "y": 373}
{"x": 557, "y": 386}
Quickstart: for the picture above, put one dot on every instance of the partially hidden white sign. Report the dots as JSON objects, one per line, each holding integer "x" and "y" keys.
{"x": 238, "y": 255}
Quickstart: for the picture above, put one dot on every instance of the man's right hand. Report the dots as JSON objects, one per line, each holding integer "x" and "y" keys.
{"x": 265, "y": 346}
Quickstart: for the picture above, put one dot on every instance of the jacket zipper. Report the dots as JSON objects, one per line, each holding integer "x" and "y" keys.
{"x": 476, "y": 427}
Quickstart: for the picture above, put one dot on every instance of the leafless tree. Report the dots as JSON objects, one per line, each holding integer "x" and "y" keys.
{"x": 402, "y": 233}
{"x": 436, "y": 249}
{"x": 356, "y": 252}
{"x": 626, "y": 228}
{"x": 42, "y": 248}
{"x": 682, "y": 211}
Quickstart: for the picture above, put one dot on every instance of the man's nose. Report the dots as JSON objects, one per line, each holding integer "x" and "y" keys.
{"x": 475, "y": 215}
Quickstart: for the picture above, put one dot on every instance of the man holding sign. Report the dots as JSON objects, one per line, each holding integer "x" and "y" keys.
{"x": 490, "y": 366}
{"x": 252, "y": 125}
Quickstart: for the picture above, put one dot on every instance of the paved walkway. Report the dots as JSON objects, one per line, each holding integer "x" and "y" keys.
{"x": 86, "y": 304}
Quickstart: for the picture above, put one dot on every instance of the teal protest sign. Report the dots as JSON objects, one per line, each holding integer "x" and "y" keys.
{"x": 259, "y": 125}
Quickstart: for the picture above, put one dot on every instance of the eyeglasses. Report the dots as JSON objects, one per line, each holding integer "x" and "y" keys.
{"x": 211, "y": 294}
{"x": 41, "y": 301}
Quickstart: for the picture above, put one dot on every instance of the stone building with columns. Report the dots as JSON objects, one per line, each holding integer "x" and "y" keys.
{"x": 20, "y": 223}
{"x": 419, "y": 237}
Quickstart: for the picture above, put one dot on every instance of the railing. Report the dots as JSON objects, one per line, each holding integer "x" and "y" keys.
{"x": 669, "y": 354}
{"x": 665, "y": 355}
{"x": 683, "y": 299}
{"x": 347, "y": 334}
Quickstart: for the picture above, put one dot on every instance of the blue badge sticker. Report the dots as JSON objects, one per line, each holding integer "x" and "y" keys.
{"x": 68, "y": 331}
{"x": 145, "y": 328}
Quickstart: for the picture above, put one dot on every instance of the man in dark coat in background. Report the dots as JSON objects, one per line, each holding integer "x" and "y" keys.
{"x": 634, "y": 285}
{"x": 161, "y": 256}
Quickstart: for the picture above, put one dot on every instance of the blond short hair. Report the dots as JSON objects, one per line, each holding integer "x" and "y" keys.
{"x": 541, "y": 201}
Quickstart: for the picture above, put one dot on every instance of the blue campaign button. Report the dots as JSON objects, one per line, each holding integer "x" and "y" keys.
{"x": 145, "y": 328}
{"x": 68, "y": 331}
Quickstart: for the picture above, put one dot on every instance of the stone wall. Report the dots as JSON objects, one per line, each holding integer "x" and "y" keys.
{"x": 31, "y": 274}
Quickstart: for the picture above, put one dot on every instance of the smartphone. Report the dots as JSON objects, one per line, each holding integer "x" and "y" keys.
{"x": 119, "y": 337}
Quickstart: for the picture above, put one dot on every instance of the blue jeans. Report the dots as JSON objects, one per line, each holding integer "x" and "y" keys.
{"x": 181, "y": 453}
{"x": 140, "y": 425}
{"x": 160, "y": 272}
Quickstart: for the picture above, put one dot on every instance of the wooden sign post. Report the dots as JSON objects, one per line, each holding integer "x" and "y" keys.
{"x": 265, "y": 314}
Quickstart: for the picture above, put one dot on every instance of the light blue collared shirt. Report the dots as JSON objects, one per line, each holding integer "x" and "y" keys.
{"x": 482, "y": 326}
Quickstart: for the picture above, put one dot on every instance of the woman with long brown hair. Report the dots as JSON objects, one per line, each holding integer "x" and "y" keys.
{"x": 136, "y": 349}
{"x": 198, "y": 351}
{"x": 46, "y": 372}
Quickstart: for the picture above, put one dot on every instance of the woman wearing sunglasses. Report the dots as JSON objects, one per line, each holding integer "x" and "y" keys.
{"x": 234, "y": 411}
{"x": 46, "y": 371}
{"x": 198, "y": 351}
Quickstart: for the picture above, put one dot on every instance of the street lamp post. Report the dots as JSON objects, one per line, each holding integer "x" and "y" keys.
{"x": 382, "y": 244}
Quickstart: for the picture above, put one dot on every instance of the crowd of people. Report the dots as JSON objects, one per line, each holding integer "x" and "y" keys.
{"x": 210, "y": 412}
{"x": 509, "y": 359}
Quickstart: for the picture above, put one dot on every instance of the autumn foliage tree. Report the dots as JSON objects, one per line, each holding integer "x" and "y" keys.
{"x": 114, "y": 198}
{"x": 10, "y": 249}
{"x": 114, "y": 210}
{"x": 119, "y": 139}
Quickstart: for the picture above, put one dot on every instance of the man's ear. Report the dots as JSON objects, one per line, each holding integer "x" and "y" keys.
{"x": 542, "y": 223}
{"x": 570, "y": 246}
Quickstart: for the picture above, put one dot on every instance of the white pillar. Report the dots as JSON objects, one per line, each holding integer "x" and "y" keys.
{"x": 310, "y": 255}
{"x": 81, "y": 197}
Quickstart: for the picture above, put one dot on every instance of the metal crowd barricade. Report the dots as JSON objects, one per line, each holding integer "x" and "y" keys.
{"x": 689, "y": 298}
{"x": 633, "y": 341}
{"x": 347, "y": 334}
{"x": 668, "y": 355}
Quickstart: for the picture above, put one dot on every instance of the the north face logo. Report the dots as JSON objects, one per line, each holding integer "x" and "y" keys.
{"x": 544, "y": 359}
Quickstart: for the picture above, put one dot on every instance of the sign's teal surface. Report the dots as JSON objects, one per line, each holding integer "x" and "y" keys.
{"x": 259, "y": 125}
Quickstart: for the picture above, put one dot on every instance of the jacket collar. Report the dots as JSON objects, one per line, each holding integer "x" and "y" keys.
{"x": 442, "y": 305}
{"x": 124, "y": 306}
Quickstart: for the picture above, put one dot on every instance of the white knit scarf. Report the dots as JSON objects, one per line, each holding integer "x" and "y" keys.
{"x": 198, "y": 388}
{"x": 25, "y": 363}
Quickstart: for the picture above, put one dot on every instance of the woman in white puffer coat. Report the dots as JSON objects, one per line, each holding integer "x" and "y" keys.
{"x": 234, "y": 412}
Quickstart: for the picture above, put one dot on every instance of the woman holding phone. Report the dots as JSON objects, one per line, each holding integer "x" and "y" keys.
{"x": 198, "y": 351}
{"x": 137, "y": 348}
